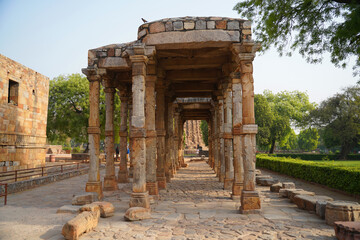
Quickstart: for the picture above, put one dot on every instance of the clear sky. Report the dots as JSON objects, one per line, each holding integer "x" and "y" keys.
{"x": 53, "y": 36}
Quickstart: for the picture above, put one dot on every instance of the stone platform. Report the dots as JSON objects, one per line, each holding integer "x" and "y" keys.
{"x": 194, "y": 206}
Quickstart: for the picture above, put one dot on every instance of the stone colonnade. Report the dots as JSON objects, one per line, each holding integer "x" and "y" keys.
{"x": 154, "y": 119}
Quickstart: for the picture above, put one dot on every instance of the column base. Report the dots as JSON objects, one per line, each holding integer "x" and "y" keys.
{"x": 184, "y": 165}
{"x": 237, "y": 189}
{"x": 161, "y": 182}
{"x": 95, "y": 187}
{"x": 228, "y": 184}
{"x": 140, "y": 200}
{"x": 250, "y": 202}
{"x": 123, "y": 177}
{"x": 152, "y": 188}
{"x": 110, "y": 184}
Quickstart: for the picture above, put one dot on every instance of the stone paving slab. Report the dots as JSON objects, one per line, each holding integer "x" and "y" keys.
{"x": 194, "y": 206}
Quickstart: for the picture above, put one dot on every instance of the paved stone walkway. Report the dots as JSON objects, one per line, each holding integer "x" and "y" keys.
{"x": 194, "y": 206}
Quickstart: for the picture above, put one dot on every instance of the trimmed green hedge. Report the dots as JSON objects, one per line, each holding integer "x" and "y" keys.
{"x": 343, "y": 178}
{"x": 316, "y": 156}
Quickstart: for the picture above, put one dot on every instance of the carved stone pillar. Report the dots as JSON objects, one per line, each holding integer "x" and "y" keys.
{"x": 110, "y": 183}
{"x": 123, "y": 172}
{"x": 151, "y": 149}
{"x": 237, "y": 137}
{"x": 160, "y": 130}
{"x": 181, "y": 144}
{"x": 229, "y": 166}
{"x": 139, "y": 196}
{"x": 94, "y": 184}
{"x": 221, "y": 140}
{"x": 244, "y": 55}
{"x": 211, "y": 159}
{"x": 131, "y": 166}
{"x": 176, "y": 140}
{"x": 169, "y": 141}
{"x": 214, "y": 139}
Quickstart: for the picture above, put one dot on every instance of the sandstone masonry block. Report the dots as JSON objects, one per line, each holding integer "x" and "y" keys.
{"x": 292, "y": 194}
{"x": 276, "y": 187}
{"x": 106, "y": 209}
{"x": 347, "y": 230}
{"x": 82, "y": 223}
{"x": 140, "y": 35}
{"x": 307, "y": 202}
{"x": 288, "y": 185}
{"x": 92, "y": 207}
{"x": 320, "y": 208}
{"x": 267, "y": 181}
{"x": 157, "y": 27}
{"x": 220, "y": 24}
{"x": 257, "y": 178}
{"x": 178, "y": 25}
{"x": 200, "y": 25}
{"x": 137, "y": 213}
{"x": 342, "y": 211}
{"x": 233, "y": 25}
{"x": 168, "y": 26}
{"x": 189, "y": 25}
{"x": 85, "y": 198}
{"x": 210, "y": 24}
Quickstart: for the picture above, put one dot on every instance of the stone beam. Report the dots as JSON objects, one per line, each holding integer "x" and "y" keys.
{"x": 194, "y": 74}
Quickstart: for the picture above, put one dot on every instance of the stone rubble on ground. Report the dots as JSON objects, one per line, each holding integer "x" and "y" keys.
{"x": 82, "y": 223}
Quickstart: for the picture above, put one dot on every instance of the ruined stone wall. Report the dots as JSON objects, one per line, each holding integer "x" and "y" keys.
{"x": 193, "y": 134}
{"x": 23, "y": 114}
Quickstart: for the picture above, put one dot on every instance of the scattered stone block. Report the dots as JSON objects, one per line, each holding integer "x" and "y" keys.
{"x": 283, "y": 193}
{"x": 262, "y": 177}
{"x": 276, "y": 187}
{"x": 85, "y": 198}
{"x": 82, "y": 223}
{"x": 257, "y": 172}
{"x": 106, "y": 209}
{"x": 90, "y": 208}
{"x": 288, "y": 185}
{"x": 267, "y": 181}
{"x": 320, "y": 208}
{"x": 292, "y": 194}
{"x": 68, "y": 209}
{"x": 307, "y": 202}
{"x": 137, "y": 213}
{"x": 342, "y": 211}
{"x": 347, "y": 230}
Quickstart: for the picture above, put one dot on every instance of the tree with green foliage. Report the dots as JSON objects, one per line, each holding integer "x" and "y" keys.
{"x": 68, "y": 110}
{"x": 308, "y": 139}
{"x": 290, "y": 142}
{"x": 339, "y": 118}
{"x": 205, "y": 132}
{"x": 275, "y": 115}
{"x": 264, "y": 118}
{"x": 312, "y": 27}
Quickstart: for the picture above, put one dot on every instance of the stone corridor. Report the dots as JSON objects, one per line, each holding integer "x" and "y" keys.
{"x": 194, "y": 206}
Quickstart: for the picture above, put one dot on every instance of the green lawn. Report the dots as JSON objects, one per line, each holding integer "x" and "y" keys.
{"x": 348, "y": 164}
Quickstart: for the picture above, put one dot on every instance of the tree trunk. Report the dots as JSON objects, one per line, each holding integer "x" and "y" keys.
{"x": 272, "y": 146}
{"x": 87, "y": 148}
{"x": 345, "y": 150}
